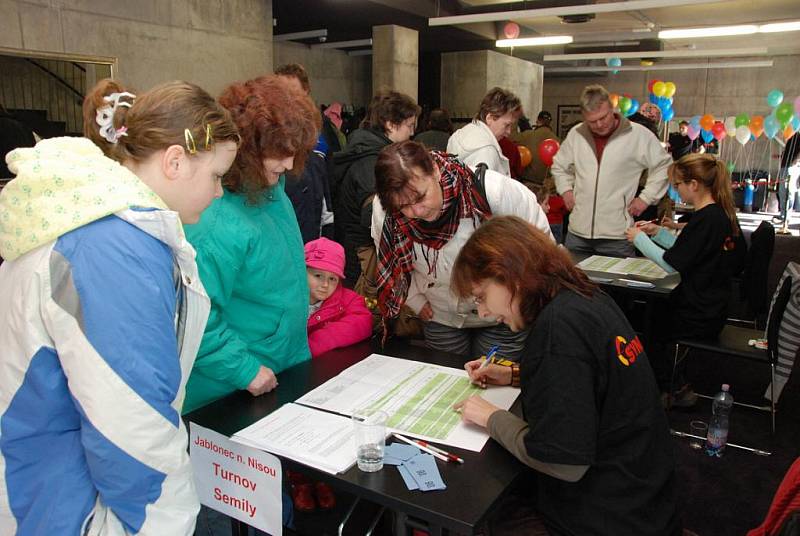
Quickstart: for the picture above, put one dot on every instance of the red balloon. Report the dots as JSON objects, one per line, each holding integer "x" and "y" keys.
{"x": 547, "y": 150}
{"x": 718, "y": 130}
{"x": 650, "y": 85}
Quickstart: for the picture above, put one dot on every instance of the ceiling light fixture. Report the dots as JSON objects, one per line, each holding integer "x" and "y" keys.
{"x": 534, "y": 41}
{"x": 661, "y": 67}
{"x": 720, "y": 31}
{"x": 713, "y": 31}
{"x": 780, "y": 27}
{"x": 754, "y": 51}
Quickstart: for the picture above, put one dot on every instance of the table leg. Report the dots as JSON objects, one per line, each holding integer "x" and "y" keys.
{"x": 238, "y": 528}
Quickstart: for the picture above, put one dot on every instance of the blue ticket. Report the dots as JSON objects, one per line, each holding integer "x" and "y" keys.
{"x": 400, "y": 451}
{"x": 411, "y": 484}
{"x": 425, "y": 472}
{"x": 391, "y": 460}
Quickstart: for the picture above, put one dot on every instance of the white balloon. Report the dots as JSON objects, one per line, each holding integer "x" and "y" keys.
{"x": 743, "y": 134}
{"x": 730, "y": 126}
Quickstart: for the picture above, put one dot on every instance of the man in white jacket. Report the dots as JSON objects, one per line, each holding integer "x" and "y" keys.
{"x": 477, "y": 142}
{"x": 597, "y": 172}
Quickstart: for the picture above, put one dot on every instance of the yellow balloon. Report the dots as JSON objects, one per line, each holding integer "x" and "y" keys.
{"x": 659, "y": 88}
{"x": 669, "y": 89}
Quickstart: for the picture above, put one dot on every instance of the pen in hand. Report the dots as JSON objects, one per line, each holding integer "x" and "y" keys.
{"x": 489, "y": 356}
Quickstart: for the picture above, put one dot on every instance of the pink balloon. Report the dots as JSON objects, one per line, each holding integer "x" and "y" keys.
{"x": 511, "y": 30}
{"x": 692, "y": 132}
{"x": 797, "y": 106}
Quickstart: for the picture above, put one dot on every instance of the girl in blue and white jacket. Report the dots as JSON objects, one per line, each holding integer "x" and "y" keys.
{"x": 101, "y": 314}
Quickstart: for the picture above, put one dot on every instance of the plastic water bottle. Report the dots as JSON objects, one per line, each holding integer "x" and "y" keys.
{"x": 720, "y": 420}
{"x": 749, "y": 194}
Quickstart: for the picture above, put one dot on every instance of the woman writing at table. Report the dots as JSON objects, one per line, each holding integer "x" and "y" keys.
{"x": 593, "y": 424}
{"x": 709, "y": 251}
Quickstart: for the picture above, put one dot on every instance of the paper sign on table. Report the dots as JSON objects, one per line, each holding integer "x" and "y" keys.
{"x": 239, "y": 481}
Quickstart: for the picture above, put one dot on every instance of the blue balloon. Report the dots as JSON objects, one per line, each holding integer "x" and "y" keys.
{"x": 695, "y": 122}
{"x": 796, "y": 122}
{"x": 668, "y": 114}
{"x": 665, "y": 106}
{"x": 634, "y": 107}
{"x": 774, "y": 97}
{"x": 654, "y": 99}
{"x": 752, "y": 137}
{"x": 771, "y": 126}
{"x": 707, "y": 135}
{"x": 614, "y": 62}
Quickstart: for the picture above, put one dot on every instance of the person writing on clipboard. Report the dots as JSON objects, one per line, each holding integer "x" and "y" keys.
{"x": 594, "y": 429}
{"x": 709, "y": 251}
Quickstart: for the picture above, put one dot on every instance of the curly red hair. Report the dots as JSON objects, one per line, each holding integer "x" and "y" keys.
{"x": 274, "y": 121}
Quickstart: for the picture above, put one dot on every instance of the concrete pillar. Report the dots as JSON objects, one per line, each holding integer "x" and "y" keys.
{"x": 395, "y": 59}
{"x": 468, "y": 76}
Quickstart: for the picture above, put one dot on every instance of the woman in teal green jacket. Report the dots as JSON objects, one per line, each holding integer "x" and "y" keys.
{"x": 249, "y": 248}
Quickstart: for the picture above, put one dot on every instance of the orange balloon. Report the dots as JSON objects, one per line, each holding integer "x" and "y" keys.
{"x": 524, "y": 155}
{"x": 757, "y": 125}
{"x": 788, "y": 132}
{"x": 707, "y": 122}
{"x": 614, "y": 98}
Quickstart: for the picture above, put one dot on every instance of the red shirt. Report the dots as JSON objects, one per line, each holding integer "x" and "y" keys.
{"x": 511, "y": 151}
{"x": 557, "y": 210}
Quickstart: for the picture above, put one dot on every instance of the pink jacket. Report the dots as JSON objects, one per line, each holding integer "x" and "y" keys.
{"x": 342, "y": 320}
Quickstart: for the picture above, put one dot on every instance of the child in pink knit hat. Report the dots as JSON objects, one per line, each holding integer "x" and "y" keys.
{"x": 337, "y": 316}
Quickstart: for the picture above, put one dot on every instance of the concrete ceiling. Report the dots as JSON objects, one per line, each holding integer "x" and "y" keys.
{"x": 606, "y": 32}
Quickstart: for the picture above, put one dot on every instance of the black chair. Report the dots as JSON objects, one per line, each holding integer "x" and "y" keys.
{"x": 733, "y": 341}
{"x": 753, "y": 283}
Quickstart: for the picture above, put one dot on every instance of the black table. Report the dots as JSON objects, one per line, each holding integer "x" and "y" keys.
{"x": 616, "y": 286}
{"x": 473, "y": 488}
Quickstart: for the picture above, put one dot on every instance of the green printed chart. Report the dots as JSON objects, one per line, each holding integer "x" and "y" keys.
{"x": 429, "y": 410}
{"x": 418, "y": 397}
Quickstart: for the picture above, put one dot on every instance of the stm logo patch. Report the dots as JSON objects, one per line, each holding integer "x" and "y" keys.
{"x": 627, "y": 352}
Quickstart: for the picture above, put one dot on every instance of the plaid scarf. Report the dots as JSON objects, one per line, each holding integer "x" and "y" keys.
{"x": 461, "y": 199}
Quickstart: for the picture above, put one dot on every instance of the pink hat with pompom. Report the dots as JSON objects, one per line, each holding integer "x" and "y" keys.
{"x": 327, "y": 255}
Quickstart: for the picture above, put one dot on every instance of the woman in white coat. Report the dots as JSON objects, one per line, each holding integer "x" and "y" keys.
{"x": 428, "y": 204}
{"x": 477, "y": 142}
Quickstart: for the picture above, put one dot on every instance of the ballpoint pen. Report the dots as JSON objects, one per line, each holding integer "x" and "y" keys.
{"x": 489, "y": 355}
{"x": 430, "y": 449}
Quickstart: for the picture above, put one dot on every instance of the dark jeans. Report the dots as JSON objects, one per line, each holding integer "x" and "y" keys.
{"x": 600, "y": 246}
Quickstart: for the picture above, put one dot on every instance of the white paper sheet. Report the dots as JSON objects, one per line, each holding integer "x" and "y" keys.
{"x": 417, "y": 396}
{"x": 316, "y": 438}
{"x": 631, "y": 266}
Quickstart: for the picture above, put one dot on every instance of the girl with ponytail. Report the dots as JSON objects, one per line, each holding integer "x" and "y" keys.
{"x": 708, "y": 253}
{"x": 102, "y": 312}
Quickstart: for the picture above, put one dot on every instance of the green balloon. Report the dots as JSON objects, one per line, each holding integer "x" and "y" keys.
{"x": 624, "y": 104}
{"x": 742, "y": 120}
{"x": 784, "y": 113}
{"x": 731, "y": 167}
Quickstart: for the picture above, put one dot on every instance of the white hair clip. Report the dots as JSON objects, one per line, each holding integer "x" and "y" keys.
{"x": 105, "y": 116}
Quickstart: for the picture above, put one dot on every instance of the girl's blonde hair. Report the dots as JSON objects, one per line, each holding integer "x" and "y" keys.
{"x": 711, "y": 173}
